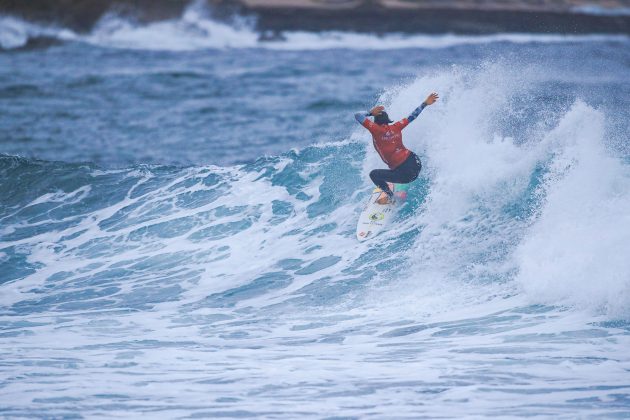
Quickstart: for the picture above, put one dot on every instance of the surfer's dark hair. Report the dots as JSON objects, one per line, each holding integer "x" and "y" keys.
{"x": 382, "y": 118}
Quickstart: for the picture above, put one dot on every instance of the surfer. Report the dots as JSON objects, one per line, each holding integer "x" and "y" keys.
{"x": 404, "y": 165}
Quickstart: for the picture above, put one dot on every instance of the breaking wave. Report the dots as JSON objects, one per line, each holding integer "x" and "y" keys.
{"x": 543, "y": 213}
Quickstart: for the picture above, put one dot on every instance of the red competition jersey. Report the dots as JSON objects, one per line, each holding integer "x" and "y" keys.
{"x": 388, "y": 141}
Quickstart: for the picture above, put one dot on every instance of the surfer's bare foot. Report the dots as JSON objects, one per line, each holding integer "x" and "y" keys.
{"x": 384, "y": 199}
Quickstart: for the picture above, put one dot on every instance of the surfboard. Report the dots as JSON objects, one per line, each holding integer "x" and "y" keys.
{"x": 375, "y": 217}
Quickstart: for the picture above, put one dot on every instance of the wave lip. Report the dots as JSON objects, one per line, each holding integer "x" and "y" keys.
{"x": 576, "y": 252}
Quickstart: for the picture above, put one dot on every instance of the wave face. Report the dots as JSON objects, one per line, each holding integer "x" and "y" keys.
{"x": 196, "y": 29}
{"x": 240, "y": 290}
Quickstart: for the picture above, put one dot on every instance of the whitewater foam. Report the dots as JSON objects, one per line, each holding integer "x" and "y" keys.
{"x": 16, "y": 33}
{"x": 194, "y": 30}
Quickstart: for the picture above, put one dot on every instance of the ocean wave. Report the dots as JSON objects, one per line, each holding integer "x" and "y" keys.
{"x": 543, "y": 217}
{"x": 237, "y": 287}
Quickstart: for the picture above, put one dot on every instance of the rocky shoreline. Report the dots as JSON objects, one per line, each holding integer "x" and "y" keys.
{"x": 379, "y": 16}
{"x": 464, "y": 16}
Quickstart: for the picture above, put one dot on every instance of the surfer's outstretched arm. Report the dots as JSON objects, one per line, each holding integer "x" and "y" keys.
{"x": 429, "y": 101}
{"x": 416, "y": 112}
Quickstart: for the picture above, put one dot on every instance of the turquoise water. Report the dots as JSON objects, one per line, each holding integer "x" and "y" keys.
{"x": 177, "y": 227}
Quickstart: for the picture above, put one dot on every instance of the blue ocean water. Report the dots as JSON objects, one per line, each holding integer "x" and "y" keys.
{"x": 178, "y": 209}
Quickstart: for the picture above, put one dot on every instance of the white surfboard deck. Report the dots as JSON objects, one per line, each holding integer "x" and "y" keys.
{"x": 375, "y": 217}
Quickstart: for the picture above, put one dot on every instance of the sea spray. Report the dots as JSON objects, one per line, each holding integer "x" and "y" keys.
{"x": 576, "y": 253}
{"x": 546, "y": 210}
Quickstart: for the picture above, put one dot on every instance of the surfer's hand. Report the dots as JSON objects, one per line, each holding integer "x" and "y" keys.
{"x": 377, "y": 110}
{"x": 431, "y": 99}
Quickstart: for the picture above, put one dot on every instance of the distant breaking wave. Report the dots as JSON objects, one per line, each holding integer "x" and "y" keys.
{"x": 16, "y": 33}
{"x": 197, "y": 30}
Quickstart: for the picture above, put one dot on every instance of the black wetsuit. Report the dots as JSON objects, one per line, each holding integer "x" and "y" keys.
{"x": 407, "y": 172}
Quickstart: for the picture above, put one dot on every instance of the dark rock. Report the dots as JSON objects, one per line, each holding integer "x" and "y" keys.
{"x": 377, "y": 16}
{"x": 81, "y": 15}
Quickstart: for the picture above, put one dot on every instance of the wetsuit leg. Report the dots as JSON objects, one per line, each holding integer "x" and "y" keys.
{"x": 405, "y": 173}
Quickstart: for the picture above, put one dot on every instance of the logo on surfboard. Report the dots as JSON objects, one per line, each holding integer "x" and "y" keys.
{"x": 377, "y": 216}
